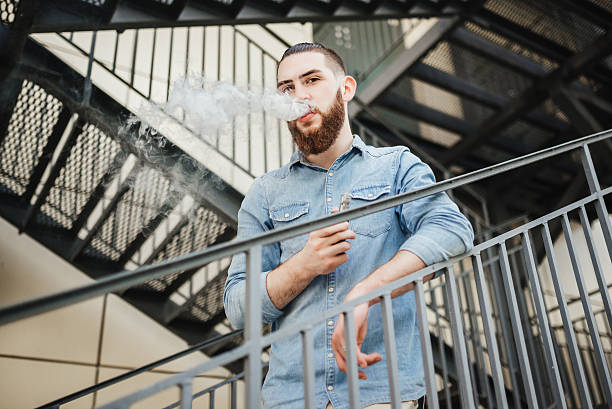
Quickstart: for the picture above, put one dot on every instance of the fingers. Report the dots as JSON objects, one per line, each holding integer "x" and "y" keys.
{"x": 340, "y": 236}
{"x": 339, "y": 248}
{"x": 330, "y": 230}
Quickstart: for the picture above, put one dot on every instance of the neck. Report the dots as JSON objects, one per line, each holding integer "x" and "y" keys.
{"x": 340, "y": 145}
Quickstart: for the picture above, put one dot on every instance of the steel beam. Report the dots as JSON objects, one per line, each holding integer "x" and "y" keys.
{"x": 477, "y": 94}
{"x": 58, "y": 130}
{"x": 98, "y": 192}
{"x": 9, "y": 93}
{"x": 478, "y": 45}
{"x": 145, "y": 232}
{"x": 134, "y": 14}
{"x": 53, "y": 174}
{"x": 395, "y": 64}
{"x": 227, "y": 235}
{"x": 532, "y": 97}
{"x": 79, "y": 244}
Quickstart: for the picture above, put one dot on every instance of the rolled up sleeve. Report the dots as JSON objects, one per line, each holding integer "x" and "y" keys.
{"x": 437, "y": 229}
{"x": 253, "y": 219}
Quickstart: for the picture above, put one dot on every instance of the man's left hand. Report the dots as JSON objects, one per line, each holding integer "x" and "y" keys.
{"x": 360, "y": 314}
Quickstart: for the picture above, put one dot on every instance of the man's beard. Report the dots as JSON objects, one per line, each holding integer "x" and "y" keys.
{"x": 312, "y": 142}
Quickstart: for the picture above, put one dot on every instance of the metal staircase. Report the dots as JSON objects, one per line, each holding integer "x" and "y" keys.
{"x": 72, "y": 179}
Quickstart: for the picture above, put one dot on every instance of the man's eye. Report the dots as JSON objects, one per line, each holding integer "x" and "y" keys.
{"x": 311, "y": 80}
{"x": 286, "y": 90}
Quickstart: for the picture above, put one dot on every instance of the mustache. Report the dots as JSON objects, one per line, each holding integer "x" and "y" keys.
{"x": 314, "y": 110}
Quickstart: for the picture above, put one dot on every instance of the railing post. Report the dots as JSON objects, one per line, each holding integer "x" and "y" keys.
{"x": 485, "y": 311}
{"x": 391, "y": 351}
{"x": 308, "y": 369}
{"x": 430, "y": 373}
{"x": 600, "y": 204}
{"x": 460, "y": 348}
{"x": 186, "y": 388}
{"x": 538, "y": 298}
{"x": 602, "y": 365}
{"x": 253, "y": 325}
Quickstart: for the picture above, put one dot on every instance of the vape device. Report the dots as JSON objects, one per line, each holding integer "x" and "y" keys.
{"x": 345, "y": 200}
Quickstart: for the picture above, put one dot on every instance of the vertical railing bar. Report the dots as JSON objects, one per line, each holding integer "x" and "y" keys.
{"x": 186, "y": 394}
{"x": 528, "y": 329}
{"x": 603, "y": 287}
{"x": 569, "y": 386}
{"x": 234, "y": 81}
{"x": 600, "y": 204}
{"x": 426, "y": 350}
{"x": 249, "y": 115}
{"x": 507, "y": 334}
{"x": 308, "y": 369}
{"x": 485, "y": 311}
{"x": 233, "y": 395}
{"x": 219, "y": 53}
{"x": 115, "y": 51}
{"x": 170, "y": 63}
{"x": 253, "y": 326}
{"x": 519, "y": 337}
{"x": 602, "y": 365}
{"x": 187, "y": 50}
{"x": 134, "y": 52}
{"x": 441, "y": 347}
{"x": 459, "y": 342}
{"x": 152, "y": 63}
{"x": 280, "y": 143}
{"x": 204, "y": 51}
{"x": 568, "y": 328}
{"x": 391, "y": 351}
{"x": 211, "y": 399}
{"x": 557, "y": 389}
{"x": 350, "y": 338}
{"x": 477, "y": 347}
{"x": 263, "y": 86}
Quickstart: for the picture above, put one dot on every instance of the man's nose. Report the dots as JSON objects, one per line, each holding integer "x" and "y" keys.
{"x": 301, "y": 92}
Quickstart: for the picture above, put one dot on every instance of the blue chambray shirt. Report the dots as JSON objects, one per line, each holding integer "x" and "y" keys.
{"x": 431, "y": 227}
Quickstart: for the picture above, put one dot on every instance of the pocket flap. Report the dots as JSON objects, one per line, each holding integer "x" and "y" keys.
{"x": 370, "y": 192}
{"x": 289, "y": 212}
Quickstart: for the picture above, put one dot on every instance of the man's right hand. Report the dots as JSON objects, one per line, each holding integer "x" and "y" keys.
{"x": 326, "y": 249}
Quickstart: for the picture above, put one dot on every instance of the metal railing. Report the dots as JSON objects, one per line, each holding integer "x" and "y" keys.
{"x": 539, "y": 380}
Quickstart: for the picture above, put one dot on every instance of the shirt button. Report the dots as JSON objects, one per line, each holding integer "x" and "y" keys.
{"x": 369, "y": 194}
{"x": 330, "y": 355}
{"x": 286, "y": 215}
{"x": 331, "y": 289}
{"x": 329, "y": 199}
{"x": 331, "y": 173}
{"x": 330, "y": 323}
{"x": 330, "y": 388}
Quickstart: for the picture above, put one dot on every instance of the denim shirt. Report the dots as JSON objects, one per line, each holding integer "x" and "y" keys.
{"x": 431, "y": 227}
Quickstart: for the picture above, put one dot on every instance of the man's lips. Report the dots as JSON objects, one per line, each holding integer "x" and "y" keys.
{"x": 306, "y": 117}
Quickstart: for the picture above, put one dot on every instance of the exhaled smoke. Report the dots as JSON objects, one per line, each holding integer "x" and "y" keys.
{"x": 204, "y": 107}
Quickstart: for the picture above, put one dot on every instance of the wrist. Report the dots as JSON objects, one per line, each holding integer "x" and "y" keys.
{"x": 299, "y": 268}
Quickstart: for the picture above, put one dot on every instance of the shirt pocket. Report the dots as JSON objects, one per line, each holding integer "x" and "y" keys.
{"x": 374, "y": 224}
{"x": 286, "y": 215}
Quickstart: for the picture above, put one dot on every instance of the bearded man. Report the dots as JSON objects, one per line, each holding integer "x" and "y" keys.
{"x": 306, "y": 275}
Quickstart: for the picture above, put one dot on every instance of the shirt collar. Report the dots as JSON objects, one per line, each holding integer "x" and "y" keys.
{"x": 299, "y": 157}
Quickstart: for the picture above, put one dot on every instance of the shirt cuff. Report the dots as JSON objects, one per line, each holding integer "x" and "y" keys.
{"x": 426, "y": 249}
{"x": 270, "y": 312}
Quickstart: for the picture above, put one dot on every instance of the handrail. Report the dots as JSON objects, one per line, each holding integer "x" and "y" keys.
{"x": 126, "y": 279}
{"x": 120, "y": 378}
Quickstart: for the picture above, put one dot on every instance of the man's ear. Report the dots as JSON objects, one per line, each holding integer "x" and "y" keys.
{"x": 348, "y": 88}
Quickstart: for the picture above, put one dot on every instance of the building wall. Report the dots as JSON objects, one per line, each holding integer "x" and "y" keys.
{"x": 53, "y": 354}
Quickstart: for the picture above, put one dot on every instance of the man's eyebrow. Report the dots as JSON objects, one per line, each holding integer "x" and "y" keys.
{"x": 301, "y": 76}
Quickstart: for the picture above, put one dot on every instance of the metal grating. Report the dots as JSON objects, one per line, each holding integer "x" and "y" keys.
{"x": 208, "y": 303}
{"x": 202, "y": 230}
{"x": 604, "y": 4}
{"x": 137, "y": 207}
{"x": 30, "y": 126}
{"x": 530, "y": 136}
{"x": 549, "y": 20}
{"x": 97, "y": 3}
{"x": 442, "y": 100}
{"x": 512, "y": 46}
{"x": 8, "y": 11}
{"x": 90, "y": 158}
{"x": 477, "y": 70}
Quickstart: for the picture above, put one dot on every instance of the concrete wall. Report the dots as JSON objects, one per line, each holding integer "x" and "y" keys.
{"x": 50, "y": 355}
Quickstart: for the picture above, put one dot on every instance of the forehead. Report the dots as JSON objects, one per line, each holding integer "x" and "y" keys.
{"x": 297, "y": 64}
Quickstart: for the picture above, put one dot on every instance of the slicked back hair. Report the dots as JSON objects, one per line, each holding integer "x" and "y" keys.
{"x": 318, "y": 48}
